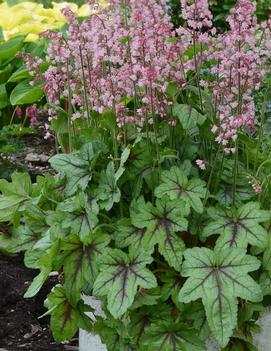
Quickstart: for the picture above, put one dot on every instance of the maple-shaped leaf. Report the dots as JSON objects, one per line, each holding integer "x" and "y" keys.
{"x": 81, "y": 263}
{"x": 242, "y": 194}
{"x": 114, "y": 334}
{"x": 171, "y": 336}
{"x": 219, "y": 277}
{"x": 44, "y": 263}
{"x": 175, "y": 184}
{"x": 163, "y": 222}
{"x": 120, "y": 277}
{"x": 14, "y": 195}
{"x": 188, "y": 116}
{"x": 172, "y": 283}
{"x": 65, "y": 318}
{"x": 238, "y": 227}
{"x": 80, "y": 215}
{"x": 265, "y": 278}
{"x": 127, "y": 234}
{"x": 108, "y": 191}
{"x": 77, "y": 166}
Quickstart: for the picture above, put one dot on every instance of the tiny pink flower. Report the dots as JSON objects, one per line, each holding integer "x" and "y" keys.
{"x": 201, "y": 164}
{"x": 19, "y": 112}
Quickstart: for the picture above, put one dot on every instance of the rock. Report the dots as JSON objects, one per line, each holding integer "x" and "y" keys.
{"x": 37, "y": 158}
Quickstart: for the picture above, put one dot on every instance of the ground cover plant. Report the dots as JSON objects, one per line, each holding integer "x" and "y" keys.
{"x": 161, "y": 202}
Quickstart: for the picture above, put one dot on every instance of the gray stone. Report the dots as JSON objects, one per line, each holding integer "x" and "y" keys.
{"x": 89, "y": 341}
{"x": 262, "y": 340}
{"x": 32, "y": 157}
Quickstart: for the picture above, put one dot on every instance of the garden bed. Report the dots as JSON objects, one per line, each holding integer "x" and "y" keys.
{"x": 20, "y": 328}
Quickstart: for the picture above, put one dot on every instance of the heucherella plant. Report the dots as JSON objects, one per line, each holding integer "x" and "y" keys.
{"x": 161, "y": 202}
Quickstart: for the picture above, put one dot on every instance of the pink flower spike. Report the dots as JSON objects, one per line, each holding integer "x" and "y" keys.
{"x": 201, "y": 164}
{"x": 19, "y": 111}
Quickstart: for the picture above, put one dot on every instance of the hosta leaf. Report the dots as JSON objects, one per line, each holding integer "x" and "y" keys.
{"x": 80, "y": 215}
{"x": 81, "y": 263}
{"x": 25, "y": 93}
{"x": 176, "y": 184}
{"x": 20, "y": 74}
{"x": 163, "y": 222}
{"x": 218, "y": 278}
{"x": 4, "y": 100}
{"x": 238, "y": 227}
{"x": 9, "y": 48}
{"x": 65, "y": 318}
{"x": 108, "y": 192}
{"x": 265, "y": 278}
{"x": 76, "y": 167}
{"x": 121, "y": 276}
{"x": 167, "y": 336}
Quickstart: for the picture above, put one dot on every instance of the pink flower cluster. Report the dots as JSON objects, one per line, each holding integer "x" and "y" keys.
{"x": 197, "y": 31}
{"x": 129, "y": 52}
{"x": 241, "y": 55}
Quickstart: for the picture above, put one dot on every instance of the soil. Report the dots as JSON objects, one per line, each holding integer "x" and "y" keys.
{"x": 33, "y": 157}
{"x": 20, "y": 328}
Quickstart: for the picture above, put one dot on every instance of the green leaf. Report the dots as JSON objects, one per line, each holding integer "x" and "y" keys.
{"x": 21, "y": 73}
{"x": 4, "y": 100}
{"x": 127, "y": 234}
{"x": 265, "y": 278}
{"x": 172, "y": 284}
{"x": 218, "y": 278}
{"x": 76, "y": 167}
{"x": 5, "y": 72}
{"x": 11, "y": 47}
{"x": 238, "y": 227}
{"x": 108, "y": 192}
{"x": 23, "y": 238}
{"x": 242, "y": 194}
{"x": 176, "y": 184}
{"x": 20, "y": 184}
{"x": 45, "y": 264}
{"x": 188, "y": 116}
{"x": 81, "y": 263}
{"x": 171, "y": 336}
{"x": 14, "y": 195}
{"x": 1, "y": 34}
{"x": 123, "y": 159}
{"x": 146, "y": 298}
{"x": 114, "y": 334}
{"x": 80, "y": 215}
{"x": 121, "y": 275}
{"x": 25, "y": 93}
{"x": 65, "y": 318}
{"x": 163, "y": 222}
